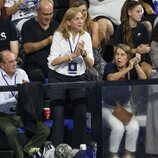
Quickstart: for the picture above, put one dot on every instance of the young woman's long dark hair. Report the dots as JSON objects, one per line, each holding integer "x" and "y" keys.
{"x": 127, "y": 30}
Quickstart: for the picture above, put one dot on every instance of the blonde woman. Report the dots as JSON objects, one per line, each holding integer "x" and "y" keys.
{"x": 70, "y": 54}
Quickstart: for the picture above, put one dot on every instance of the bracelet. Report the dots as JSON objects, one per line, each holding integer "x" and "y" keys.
{"x": 70, "y": 57}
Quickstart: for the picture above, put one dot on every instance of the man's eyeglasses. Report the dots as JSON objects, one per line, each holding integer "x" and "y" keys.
{"x": 47, "y": 14}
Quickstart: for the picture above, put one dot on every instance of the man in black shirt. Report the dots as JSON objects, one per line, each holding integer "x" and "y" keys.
{"x": 8, "y": 37}
{"x": 37, "y": 34}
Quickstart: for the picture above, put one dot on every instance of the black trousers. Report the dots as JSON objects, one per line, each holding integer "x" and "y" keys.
{"x": 77, "y": 98}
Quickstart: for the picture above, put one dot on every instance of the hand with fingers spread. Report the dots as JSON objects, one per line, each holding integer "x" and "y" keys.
{"x": 143, "y": 48}
{"x": 132, "y": 63}
{"x": 80, "y": 48}
{"x": 138, "y": 58}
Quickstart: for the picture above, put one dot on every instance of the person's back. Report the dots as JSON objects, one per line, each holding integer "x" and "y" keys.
{"x": 108, "y": 8}
{"x": 8, "y": 37}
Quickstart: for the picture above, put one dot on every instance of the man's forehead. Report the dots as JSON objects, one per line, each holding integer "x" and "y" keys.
{"x": 8, "y": 56}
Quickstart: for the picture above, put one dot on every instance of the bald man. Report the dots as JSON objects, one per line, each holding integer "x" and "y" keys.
{"x": 9, "y": 121}
{"x": 37, "y": 34}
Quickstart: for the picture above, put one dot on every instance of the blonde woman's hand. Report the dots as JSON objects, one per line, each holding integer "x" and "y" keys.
{"x": 80, "y": 48}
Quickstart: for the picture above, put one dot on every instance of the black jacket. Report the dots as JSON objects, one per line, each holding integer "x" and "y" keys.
{"x": 30, "y": 103}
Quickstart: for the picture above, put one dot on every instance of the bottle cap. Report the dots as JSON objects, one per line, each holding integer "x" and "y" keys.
{"x": 83, "y": 146}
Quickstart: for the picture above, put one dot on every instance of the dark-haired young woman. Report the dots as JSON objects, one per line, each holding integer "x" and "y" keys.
{"x": 133, "y": 33}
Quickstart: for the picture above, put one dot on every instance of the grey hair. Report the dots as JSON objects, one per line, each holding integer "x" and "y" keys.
{"x": 40, "y": 1}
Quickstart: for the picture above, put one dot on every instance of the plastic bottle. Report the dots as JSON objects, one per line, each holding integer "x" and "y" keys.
{"x": 92, "y": 150}
{"x": 82, "y": 152}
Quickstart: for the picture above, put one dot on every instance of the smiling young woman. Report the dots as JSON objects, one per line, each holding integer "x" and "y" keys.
{"x": 133, "y": 33}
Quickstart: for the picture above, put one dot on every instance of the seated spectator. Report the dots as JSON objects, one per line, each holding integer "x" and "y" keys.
{"x": 107, "y": 18}
{"x": 148, "y": 17}
{"x": 10, "y": 75}
{"x": 149, "y": 12}
{"x": 8, "y": 37}
{"x": 152, "y": 108}
{"x": 133, "y": 33}
{"x": 20, "y": 11}
{"x": 123, "y": 67}
{"x": 151, "y": 144}
{"x": 37, "y": 34}
{"x": 92, "y": 27}
{"x": 70, "y": 54}
{"x": 144, "y": 20}
{"x": 154, "y": 48}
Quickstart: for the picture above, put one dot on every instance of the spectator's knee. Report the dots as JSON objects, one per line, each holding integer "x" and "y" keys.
{"x": 47, "y": 131}
{"x": 134, "y": 128}
{"x": 11, "y": 131}
{"x": 118, "y": 129}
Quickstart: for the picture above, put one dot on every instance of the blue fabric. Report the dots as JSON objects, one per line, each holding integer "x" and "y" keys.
{"x": 67, "y": 122}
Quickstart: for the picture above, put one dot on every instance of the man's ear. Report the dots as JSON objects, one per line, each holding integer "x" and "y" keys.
{"x": 1, "y": 66}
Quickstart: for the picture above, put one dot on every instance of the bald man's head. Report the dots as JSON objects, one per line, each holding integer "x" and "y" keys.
{"x": 45, "y": 11}
{"x": 8, "y": 62}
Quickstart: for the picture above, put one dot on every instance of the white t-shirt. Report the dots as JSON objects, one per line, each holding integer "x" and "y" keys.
{"x": 7, "y": 99}
{"x": 60, "y": 47}
{"x": 108, "y": 8}
{"x": 26, "y": 9}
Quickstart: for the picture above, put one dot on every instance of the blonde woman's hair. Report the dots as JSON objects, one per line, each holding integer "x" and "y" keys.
{"x": 40, "y": 2}
{"x": 68, "y": 16}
